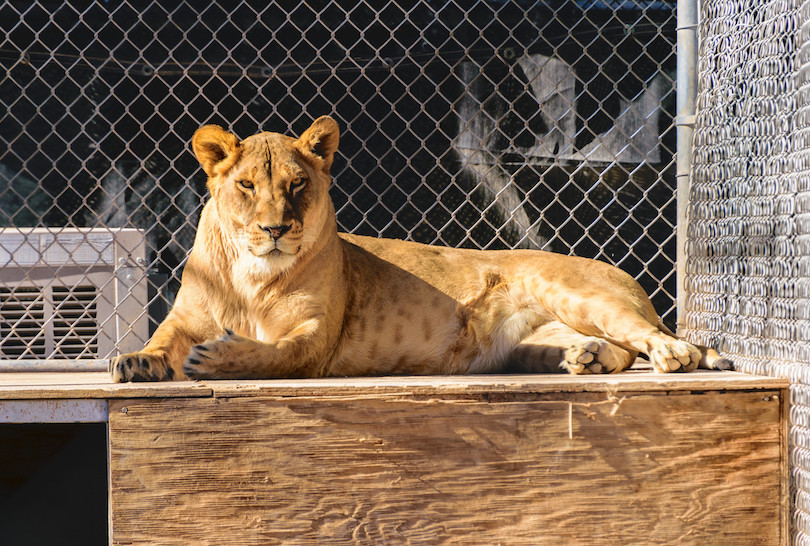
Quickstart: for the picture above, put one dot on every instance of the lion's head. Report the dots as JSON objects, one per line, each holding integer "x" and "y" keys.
{"x": 271, "y": 191}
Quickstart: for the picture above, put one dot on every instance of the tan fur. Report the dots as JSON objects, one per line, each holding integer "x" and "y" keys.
{"x": 272, "y": 290}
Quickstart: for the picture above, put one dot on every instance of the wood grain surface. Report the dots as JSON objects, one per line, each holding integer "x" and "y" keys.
{"x": 665, "y": 467}
{"x": 45, "y": 385}
{"x": 89, "y": 385}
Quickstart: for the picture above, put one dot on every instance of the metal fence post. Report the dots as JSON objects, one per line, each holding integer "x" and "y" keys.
{"x": 686, "y": 88}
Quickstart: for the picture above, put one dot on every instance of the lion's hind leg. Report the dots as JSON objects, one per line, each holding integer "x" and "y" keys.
{"x": 596, "y": 355}
{"x": 555, "y": 347}
{"x": 626, "y": 317}
{"x": 667, "y": 353}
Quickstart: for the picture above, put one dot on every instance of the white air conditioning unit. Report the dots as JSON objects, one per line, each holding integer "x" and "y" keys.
{"x": 72, "y": 293}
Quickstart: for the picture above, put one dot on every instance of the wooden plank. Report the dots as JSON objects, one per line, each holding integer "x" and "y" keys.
{"x": 785, "y": 471}
{"x": 43, "y": 385}
{"x": 89, "y": 385}
{"x": 629, "y": 382}
{"x": 588, "y": 468}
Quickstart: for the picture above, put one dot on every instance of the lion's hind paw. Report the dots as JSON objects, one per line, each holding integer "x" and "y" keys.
{"x": 673, "y": 355}
{"x": 594, "y": 356}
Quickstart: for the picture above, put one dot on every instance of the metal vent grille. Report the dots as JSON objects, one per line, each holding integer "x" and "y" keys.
{"x": 75, "y": 328}
{"x": 71, "y": 294}
{"x": 22, "y": 318}
{"x": 50, "y": 322}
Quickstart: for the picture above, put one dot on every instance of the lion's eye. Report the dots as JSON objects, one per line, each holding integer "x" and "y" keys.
{"x": 298, "y": 184}
{"x": 247, "y": 184}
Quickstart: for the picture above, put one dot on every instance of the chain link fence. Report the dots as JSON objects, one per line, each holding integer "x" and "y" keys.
{"x": 485, "y": 124}
{"x": 748, "y": 248}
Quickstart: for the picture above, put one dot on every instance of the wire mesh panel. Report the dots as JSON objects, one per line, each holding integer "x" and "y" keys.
{"x": 486, "y": 124}
{"x": 748, "y": 266}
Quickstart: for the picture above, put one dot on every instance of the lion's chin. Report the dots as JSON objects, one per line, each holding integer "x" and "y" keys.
{"x": 263, "y": 262}
{"x": 273, "y": 252}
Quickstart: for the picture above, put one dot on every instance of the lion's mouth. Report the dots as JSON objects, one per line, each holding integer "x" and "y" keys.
{"x": 273, "y": 251}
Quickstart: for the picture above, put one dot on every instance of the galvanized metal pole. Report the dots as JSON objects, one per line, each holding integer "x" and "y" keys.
{"x": 686, "y": 89}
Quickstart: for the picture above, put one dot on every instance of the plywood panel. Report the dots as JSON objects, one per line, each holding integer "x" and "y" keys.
{"x": 63, "y": 385}
{"x": 580, "y": 468}
{"x": 89, "y": 385}
{"x": 634, "y": 381}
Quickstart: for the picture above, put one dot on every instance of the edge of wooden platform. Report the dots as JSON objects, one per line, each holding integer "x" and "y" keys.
{"x": 66, "y": 385}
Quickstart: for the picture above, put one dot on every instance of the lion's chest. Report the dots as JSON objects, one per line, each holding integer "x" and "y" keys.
{"x": 259, "y": 309}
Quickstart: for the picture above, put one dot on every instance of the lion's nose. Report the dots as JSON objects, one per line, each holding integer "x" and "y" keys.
{"x": 276, "y": 231}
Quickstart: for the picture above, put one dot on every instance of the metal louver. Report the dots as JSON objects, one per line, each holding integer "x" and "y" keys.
{"x": 78, "y": 294}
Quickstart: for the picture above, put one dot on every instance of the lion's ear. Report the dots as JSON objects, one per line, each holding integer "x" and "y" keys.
{"x": 321, "y": 140}
{"x": 216, "y": 149}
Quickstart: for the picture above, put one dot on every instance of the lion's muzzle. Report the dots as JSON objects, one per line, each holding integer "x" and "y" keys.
{"x": 276, "y": 232}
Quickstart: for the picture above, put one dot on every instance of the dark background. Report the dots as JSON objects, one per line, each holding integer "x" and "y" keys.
{"x": 100, "y": 101}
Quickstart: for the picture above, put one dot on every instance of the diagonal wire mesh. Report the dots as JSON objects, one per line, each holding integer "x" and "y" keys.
{"x": 487, "y": 124}
{"x": 748, "y": 252}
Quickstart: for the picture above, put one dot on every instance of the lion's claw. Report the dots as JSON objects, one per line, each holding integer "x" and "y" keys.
{"x": 201, "y": 351}
{"x": 205, "y": 360}
{"x": 196, "y": 366}
{"x": 141, "y": 367}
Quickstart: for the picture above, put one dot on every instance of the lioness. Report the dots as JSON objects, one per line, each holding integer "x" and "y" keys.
{"x": 271, "y": 289}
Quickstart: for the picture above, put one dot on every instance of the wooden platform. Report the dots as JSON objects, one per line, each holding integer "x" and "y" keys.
{"x": 638, "y": 457}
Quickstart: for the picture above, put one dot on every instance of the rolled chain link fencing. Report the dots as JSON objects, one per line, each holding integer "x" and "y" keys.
{"x": 485, "y": 124}
{"x": 748, "y": 247}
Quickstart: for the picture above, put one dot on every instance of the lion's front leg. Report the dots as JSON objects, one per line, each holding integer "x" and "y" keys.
{"x": 186, "y": 324}
{"x": 233, "y": 356}
{"x": 162, "y": 357}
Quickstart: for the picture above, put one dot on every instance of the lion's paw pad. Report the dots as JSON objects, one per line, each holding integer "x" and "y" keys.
{"x": 588, "y": 358}
{"x": 673, "y": 355}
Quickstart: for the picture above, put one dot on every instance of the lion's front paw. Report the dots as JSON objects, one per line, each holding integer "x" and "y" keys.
{"x": 141, "y": 367}
{"x": 595, "y": 355}
{"x": 673, "y": 355}
{"x": 214, "y": 358}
